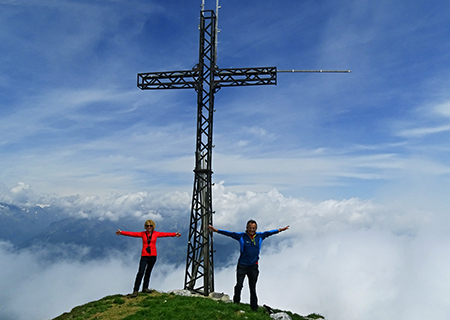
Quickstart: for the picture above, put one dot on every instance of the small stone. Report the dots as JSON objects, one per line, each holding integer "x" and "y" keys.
{"x": 219, "y": 296}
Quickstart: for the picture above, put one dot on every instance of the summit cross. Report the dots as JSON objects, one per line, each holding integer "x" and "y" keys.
{"x": 206, "y": 78}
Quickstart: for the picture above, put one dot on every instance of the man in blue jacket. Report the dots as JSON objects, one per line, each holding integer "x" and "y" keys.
{"x": 250, "y": 245}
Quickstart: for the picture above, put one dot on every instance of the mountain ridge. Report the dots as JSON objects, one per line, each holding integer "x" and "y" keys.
{"x": 160, "y": 305}
{"x": 19, "y": 224}
{"x": 61, "y": 234}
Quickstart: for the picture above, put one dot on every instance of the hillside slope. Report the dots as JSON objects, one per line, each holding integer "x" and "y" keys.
{"x": 159, "y": 305}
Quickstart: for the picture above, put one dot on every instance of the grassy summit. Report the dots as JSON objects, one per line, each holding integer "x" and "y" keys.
{"x": 167, "y": 306}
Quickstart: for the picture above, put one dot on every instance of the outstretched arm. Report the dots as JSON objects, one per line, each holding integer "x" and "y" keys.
{"x": 168, "y": 234}
{"x": 233, "y": 235}
{"x": 119, "y": 232}
{"x": 283, "y": 229}
{"x": 266, "y": 234}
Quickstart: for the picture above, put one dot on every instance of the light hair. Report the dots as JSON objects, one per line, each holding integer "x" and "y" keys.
{"x": 150, "y": 222}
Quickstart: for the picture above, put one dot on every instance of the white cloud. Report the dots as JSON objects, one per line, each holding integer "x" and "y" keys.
{"x": 260, "y": 133}
{"x": 347, "y": 259}
{"x": 443, "y": 109}
{"x": 430, "y": 119}
{"x": 419, "y": 132}
{"x": 359, "y": 274}
{"x": 21, "y": 194}
{"x": 112, "y": 206}
{"x": 58, "y": 287}
{"x": 302, "y": 169}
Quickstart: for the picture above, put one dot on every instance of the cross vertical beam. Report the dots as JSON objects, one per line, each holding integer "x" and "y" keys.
{"x": 199, "y": 261}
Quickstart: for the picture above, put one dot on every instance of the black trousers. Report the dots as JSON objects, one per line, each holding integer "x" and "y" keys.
{"x": 252, "y": 273}
{"x": 145, "y": 265}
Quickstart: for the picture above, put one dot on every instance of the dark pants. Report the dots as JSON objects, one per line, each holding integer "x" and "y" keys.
{"x": 145, "y": 265}
{"x": 252, "y": 273}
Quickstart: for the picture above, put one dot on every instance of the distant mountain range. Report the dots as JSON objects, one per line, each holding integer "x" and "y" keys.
{"x": 60, "y": 236}
{"x": 18, "y": 225}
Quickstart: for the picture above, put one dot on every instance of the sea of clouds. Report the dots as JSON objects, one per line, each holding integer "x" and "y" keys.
{"x": 347, "y": 259}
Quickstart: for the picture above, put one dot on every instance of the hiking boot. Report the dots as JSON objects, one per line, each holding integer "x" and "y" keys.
{"x": 134, "y": 294}
{"x": 146, "y": 290}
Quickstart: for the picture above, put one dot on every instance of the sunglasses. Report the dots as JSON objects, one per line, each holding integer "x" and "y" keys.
{"x": 148, "y": 225}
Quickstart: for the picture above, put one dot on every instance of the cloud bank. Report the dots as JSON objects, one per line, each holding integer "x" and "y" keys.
{"x": 346, "y": 259}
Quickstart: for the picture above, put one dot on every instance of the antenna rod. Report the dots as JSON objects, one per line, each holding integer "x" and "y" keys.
{"x": 320, "y": 71}
{"x": 216, "y": 27}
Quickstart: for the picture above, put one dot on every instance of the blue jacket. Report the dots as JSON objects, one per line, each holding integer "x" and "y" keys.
{"x": 249, "y": 247}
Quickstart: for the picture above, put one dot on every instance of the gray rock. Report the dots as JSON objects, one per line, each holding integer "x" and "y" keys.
{"x": 220, "y": 296}
{"x": 280, "y": 316}
{"x": 182, "y": 292}
{"x": 213, "y": 295}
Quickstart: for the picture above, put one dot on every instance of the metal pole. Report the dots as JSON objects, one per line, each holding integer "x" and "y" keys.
{"x": 319, "y": 71}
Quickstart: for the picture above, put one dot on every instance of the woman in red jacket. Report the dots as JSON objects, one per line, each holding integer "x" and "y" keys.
{"x": 148, "y": 256}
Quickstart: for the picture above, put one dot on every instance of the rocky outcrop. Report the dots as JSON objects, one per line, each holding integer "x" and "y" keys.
{"x": 213, "y": 295}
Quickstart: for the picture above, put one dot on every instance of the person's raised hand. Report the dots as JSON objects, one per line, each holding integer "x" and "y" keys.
{"x": 212, "y": 229}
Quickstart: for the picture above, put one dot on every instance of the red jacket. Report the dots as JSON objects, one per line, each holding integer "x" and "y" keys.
{"x": 145, "y": 237}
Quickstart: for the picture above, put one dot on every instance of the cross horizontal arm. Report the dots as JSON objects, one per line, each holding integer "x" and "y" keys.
{"x": 167, "y": 80}
{"x": 232, "y": 77}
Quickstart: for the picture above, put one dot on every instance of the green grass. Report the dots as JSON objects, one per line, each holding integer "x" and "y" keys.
{"x": 167, "y": 306}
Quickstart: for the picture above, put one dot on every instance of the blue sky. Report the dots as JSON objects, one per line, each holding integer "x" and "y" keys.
{"x": 357, "y": 164}
{"x": 74, "y": 122}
